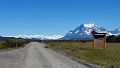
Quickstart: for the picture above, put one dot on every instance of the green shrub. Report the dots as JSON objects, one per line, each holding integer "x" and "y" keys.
{"x": 2, "y": 44}
{"x": 15, "y": 42}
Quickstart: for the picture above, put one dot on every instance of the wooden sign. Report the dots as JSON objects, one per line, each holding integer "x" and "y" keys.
{"x": 99, "y": 35}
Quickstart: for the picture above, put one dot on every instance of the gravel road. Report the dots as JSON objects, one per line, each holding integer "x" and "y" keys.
{"x": 34, "y": 55}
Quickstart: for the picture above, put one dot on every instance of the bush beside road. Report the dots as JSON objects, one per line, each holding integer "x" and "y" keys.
{"x": 12, "y": 43}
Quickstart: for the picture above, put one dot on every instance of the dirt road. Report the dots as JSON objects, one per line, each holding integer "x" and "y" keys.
{"x": 34, "y": 55}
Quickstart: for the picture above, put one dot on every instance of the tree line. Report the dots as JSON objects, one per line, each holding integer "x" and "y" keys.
{"x": 113, "y": 39}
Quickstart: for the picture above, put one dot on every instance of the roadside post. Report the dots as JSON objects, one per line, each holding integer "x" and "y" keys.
{"x": 16, "y": 42}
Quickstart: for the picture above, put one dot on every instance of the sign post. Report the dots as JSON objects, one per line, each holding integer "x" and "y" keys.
{"x": 104, "y": 41}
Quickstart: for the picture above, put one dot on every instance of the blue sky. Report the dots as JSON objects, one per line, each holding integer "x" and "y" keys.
{"x": 50, "y": 17}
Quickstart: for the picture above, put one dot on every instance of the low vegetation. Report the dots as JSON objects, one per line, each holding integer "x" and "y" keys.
{"x": 85, "y": 52}
{"x": 12, "y": 43}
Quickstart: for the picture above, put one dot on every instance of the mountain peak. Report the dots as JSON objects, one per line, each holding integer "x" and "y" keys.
{"x": 89, "y": 25}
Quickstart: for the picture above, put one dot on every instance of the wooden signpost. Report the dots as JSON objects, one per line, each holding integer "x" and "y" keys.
{"x": 97, "y": 36}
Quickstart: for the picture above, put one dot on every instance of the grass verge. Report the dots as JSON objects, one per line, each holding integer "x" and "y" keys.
{"x": 84, "y": 51}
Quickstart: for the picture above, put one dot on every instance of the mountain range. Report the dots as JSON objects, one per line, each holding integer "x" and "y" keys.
{"x": 38, "y": 37}
{"x": 82, "y": 32}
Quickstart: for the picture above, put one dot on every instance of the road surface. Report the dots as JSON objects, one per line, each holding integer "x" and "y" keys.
{"x": 34, "y": 55}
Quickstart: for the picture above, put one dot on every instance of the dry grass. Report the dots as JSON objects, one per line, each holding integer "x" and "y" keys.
{"x": 84, "y": 51}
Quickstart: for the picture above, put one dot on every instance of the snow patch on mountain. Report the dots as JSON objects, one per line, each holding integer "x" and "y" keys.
{"x": 76, "y": 31}
{"x": 89, "y": 25}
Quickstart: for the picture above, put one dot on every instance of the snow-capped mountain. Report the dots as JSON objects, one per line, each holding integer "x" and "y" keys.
{"x": 83, "y": 32}
{"x": 115, "y": 32}
{"x": 40, "y": 37}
